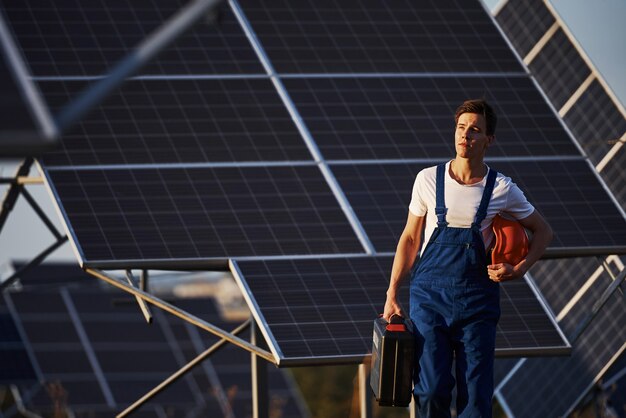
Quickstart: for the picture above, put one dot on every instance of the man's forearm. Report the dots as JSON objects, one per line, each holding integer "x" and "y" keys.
{"x": 406, "y": 254}
{"x": 540, "y": 241}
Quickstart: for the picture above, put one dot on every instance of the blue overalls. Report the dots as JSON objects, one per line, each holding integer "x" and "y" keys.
{"x": 455, "y": 308}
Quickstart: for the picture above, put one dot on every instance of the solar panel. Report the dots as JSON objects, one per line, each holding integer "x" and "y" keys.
{"x": 322, "y": 310}
{"x": 379, "y": 37}
{"x": 559, "y": 69}
{"x": 596, "y": 122}
{"x": 202, "y": 215}
{"x": 553, "y": 386}
{"x": 16, "y": 365}
{"x": 564, "y": 191}
{"x": 582, "y": 215}
{"x": 574, "y": 274}
{"x": 524, "y": 23}
{"x": 74, "y": 38}
{"x": 160, "y": 121}
{"x": 404, "y": 117}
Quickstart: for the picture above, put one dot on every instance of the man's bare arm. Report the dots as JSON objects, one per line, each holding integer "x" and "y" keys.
{"x": 406, "y": 252}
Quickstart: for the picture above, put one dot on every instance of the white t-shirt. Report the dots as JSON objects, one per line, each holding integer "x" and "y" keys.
{"x": 462, "y": 201}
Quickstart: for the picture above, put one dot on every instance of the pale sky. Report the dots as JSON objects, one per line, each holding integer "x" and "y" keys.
{"x": 597, "y": 25}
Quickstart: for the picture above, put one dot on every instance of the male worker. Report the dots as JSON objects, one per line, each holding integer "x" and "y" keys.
{"x": 454, "y": 290}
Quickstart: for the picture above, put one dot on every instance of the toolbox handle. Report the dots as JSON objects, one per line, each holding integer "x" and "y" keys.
{"x": 396, "y": 323}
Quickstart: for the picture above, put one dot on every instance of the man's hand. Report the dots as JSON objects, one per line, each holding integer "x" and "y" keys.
{"x": 392, "y": 308}
{"x": 502, "y": 272}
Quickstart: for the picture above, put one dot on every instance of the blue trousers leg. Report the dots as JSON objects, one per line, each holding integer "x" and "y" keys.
{"x": 434, "y": 380}
{"x": 474, "y": 368}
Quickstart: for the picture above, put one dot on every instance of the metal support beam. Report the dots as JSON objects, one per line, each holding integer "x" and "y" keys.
{"x": 598, "y": 305}
{"x": 143, "y": 280}
{"x": 260, "y": 385}
{"x": 145, "y": 309}
{"x": 42, "y": 215}
{"x": 21, "y": 180}
{"x": 10, "y": 197}
{"x": 34, "y": 262}
{"x": 182, "y": 371}
{"x": 365, "y": 394}
{"x": 194, "y": 320}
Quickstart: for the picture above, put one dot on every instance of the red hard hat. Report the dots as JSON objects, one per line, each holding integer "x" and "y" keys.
{"x": 511, "y": 244}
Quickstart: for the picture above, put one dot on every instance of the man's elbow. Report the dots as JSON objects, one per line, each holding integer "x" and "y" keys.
{"x": 408, "y": 241}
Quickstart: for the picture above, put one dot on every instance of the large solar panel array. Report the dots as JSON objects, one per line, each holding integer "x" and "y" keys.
{"x": 335, "y": 97}
{"x": 571, "y": 287}
{"x": 190, "y": 165}
{"x": 63, "y": 330}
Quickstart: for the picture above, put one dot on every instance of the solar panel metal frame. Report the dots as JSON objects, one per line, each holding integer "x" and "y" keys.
{"x": 282, "y": 361}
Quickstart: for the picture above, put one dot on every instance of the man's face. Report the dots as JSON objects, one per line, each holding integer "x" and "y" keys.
{"x": 471, "y": 140}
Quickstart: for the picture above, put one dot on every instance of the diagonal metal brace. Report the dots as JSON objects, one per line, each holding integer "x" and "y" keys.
{"x": 8, "y": 202}
{"x": 42, "y": 215}
{"x": 33, "y": 263}
{"x": 145, "y": 309}
{"x": 178, "y": 374}
{"x": 192, "y": 319}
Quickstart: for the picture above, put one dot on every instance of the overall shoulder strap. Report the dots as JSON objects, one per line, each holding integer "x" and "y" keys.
{"x": 484, "y": 202}
{"x": 440, "y": 207}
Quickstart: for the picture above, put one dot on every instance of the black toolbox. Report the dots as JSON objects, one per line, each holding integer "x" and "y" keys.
{"x": 391, "y": 377}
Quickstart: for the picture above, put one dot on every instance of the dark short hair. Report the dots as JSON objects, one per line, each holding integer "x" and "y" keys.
{"x": 480, "y": 107}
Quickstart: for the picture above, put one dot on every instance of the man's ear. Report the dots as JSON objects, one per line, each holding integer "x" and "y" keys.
{"x": 491, "y": 139}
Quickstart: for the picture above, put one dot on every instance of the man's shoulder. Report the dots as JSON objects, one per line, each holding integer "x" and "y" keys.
{"x": 428, "y": 171}
{"x": 503, "y": 178}
{"x": 503, "y": 182}
{"x": 427, "y": 175}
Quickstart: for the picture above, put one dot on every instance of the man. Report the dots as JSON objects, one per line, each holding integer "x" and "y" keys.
{"x": 454, "y": 291}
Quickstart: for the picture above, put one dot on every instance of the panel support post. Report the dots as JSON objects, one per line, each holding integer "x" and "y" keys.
{"x": 365, "y": 394}
{"x": 260, "y": 390}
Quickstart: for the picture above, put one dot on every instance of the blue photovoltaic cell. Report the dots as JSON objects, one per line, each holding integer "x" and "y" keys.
{"x": 79, "y": 38}
{"x": 404, "y": 117}
{"x": 379, "y": 36}
{"x": 325, "y": 308}
{"x": 524, "y": 22}
{"x": 596, "y": 122}
{"x": 179, "y": 121}
{"x": 204, "y": 213}
{"x": 566, "y": 193}
{"x": 530, "y": 390}
{"x": 559, "y": 69}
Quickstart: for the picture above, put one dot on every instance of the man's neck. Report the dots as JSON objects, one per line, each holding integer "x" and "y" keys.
{"x": 466, "y": 171}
